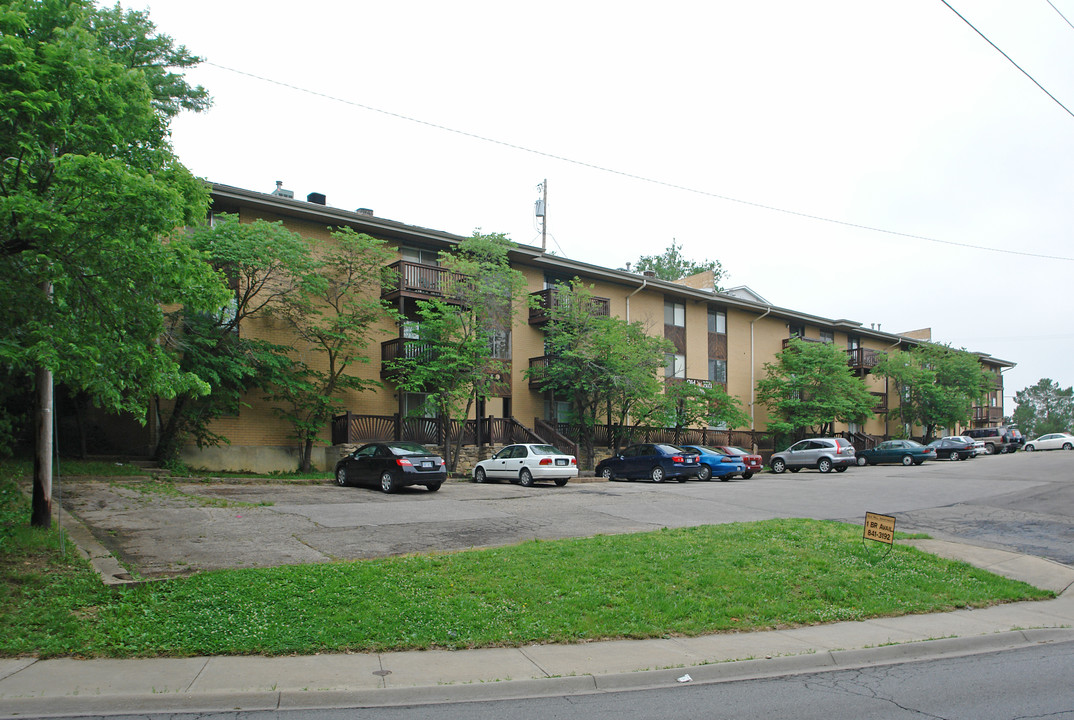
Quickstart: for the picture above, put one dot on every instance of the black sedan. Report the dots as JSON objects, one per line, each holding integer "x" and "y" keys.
{"x": 392, "y": 465}
{"x": 907, "y": 452}
{"x": 954, "y": 449}
{"x": 655, "y": 461}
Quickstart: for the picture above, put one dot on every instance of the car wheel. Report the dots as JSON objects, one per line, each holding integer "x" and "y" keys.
{"x": 433, "y": 487}
{"x": 341, "y": 476}
{"x": 704, "y": 473}
{"x": 1030, "y": 448}
{"x": 387, "y": 482}
{"x": 607, "y": 474}
{"x": 479, "y": 475}
{"x": 955, "y": 456}
{"x": 990, "y": 449}
{"x": 862, "y": 462}
{"x": 841, "y": 468}
{"x": 747, "y": 475}
{"x": 525, "y": 478}
{"x": 1067, "y": 446}
{"x": 561, "y": 481}
{"x": 657, "y": 474}
{"x": 824, "y": 465}
{"x": 907, "y": 460}
{"x": 778, "y": 466}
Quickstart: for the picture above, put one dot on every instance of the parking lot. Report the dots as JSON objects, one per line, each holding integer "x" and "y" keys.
{"x": 1022, "y": 502}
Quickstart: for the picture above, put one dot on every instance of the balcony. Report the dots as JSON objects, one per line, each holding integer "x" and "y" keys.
{"x": 549, "y": 300}
{"x": 881, "y": 400}
{"x": 398, "y": 349}
{"x": 863, "y": 358}
{"x": 987, "y": 414}
{"x": 414, "y": 280}
{"x": 537, "y": 362}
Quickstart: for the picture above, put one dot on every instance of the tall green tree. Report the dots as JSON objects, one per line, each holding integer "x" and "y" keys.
{"x": 335, "y": 315}
{"x": 673, "y": 265}
{"x": 602, "y": 365}
{"x": 88, "y": 186}
{"x": 463, "y": 345}
{"x": 686, "y": 404}
{"x": 262, "y": 263}
{"x": 936, "y": 385}
{"x": 809, "y": 387}
{"x": 1044, "y": 408}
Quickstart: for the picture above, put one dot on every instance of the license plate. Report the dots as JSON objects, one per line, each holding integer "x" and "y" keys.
{"x": 427, "y": 463}
{"x": 561, "y": 461}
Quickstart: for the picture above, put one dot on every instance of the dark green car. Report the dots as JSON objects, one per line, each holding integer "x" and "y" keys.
{"x": 907, "y": 452}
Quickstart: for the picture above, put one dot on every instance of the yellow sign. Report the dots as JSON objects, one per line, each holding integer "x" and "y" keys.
{"x": 880, "y": 528}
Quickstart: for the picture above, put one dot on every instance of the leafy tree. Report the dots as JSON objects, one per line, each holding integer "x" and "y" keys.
{"x": 936, "y": 385}
{"x": 334, "y": 315}
{"x": 601, "y": 364}
{"x": 809, "y": 387}
{"x": 88, "y": 186}
{"x": 261, "y": 262}
{"x": 463, "y": 336}
{"x": 1044, "y": 408}
{"x": 671, "y": 265}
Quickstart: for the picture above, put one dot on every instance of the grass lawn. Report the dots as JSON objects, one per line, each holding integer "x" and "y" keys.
{"x": 735, "y": 577}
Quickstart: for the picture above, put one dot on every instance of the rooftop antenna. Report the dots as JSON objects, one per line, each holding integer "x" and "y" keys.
{"x": 539, "y": 211}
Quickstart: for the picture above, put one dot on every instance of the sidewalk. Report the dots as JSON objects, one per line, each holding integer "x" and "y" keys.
{"x": 40, "y": 688}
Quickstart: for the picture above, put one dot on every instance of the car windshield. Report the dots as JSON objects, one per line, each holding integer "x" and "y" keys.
{"x": 735, "y": 451}
{"x": 544, "y": 450}
{"x": 408, "y": 448}
{"x": 668, "y": 449}
{"x": 704, "y": 449}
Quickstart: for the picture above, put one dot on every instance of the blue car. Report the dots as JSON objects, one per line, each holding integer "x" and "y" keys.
{"x": 715, "y": 464}
{"x": 656, "y": 461}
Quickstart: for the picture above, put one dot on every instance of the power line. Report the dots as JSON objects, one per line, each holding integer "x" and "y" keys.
{"x": 633, "y": 176}
{"x": 1060, "y": 13}
{"x": 956, "y": 12}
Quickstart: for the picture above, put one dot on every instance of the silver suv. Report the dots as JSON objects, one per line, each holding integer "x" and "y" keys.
{"x": 820, "y": 453}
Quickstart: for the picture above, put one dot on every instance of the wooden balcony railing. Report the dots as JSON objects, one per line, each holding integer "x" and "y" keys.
{"x": 881, "y": 400}
{"x": 863, "y": 358}
{"x": 550, "y": 299}
{"x": 411, "y": 279}
{"x": 987, "y": 414}
{"x": 398, "y": 349}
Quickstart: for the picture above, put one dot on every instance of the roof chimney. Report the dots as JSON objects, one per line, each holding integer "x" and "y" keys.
{"x": 280, "y": 191}
{"x": 316, "y": 197}
{"x": 649, "y": 273}
{"x": 364, "y": 211}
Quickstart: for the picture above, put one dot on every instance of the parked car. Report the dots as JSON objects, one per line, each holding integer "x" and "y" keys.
{"x": 1052, "y": 441}
{"x": 716, "y": 464}
{"x": 656, "y": 461}
{"x": 527, "y": 462}
{"x": 907, "y": 452}
{"x": 392, "y": 465}
{"x": 978, "y": 445}
{"x": 820, "y": 453}
{"x": 752, "y": 461}
{"x": 953, "y": 448}
{"x": 996, "y": 439}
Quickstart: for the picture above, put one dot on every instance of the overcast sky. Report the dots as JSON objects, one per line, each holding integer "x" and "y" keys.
{"x": 779, "y": 138}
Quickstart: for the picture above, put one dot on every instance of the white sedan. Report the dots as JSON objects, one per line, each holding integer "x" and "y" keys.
{"x": 525, "y": 463}
{"x": 1051, "y": 441}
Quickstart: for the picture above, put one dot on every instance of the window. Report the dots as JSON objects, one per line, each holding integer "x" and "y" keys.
{"x": 500, "y": 344}
{"x": 853, "y": 342}
{"x": 419, "y": 255}
{"x": 675, "y": 365}
{"x": 717, "y": 321}
{"x": 797, "y": 331}
{"x": 827, "y": 336}
{"x": 674, "y": 313}
{"x": 419, "y": 405}
{"x": 558, "y": 411}
{"x": 718, "y": 371}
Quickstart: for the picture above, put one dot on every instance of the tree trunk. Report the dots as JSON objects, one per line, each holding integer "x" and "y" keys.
{"x": 41, "y": 508}
{"x": 167, "y": 445}
{"x": 307, "y": 453}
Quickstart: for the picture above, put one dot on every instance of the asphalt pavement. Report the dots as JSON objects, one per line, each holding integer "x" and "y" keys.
{"x": 62, "y": 687}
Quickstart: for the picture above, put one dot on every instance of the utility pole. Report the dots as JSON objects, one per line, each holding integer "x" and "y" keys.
{"x": 542, "y": 210}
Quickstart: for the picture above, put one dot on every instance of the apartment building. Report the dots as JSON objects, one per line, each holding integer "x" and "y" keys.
{"x": 723, "y": 338}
